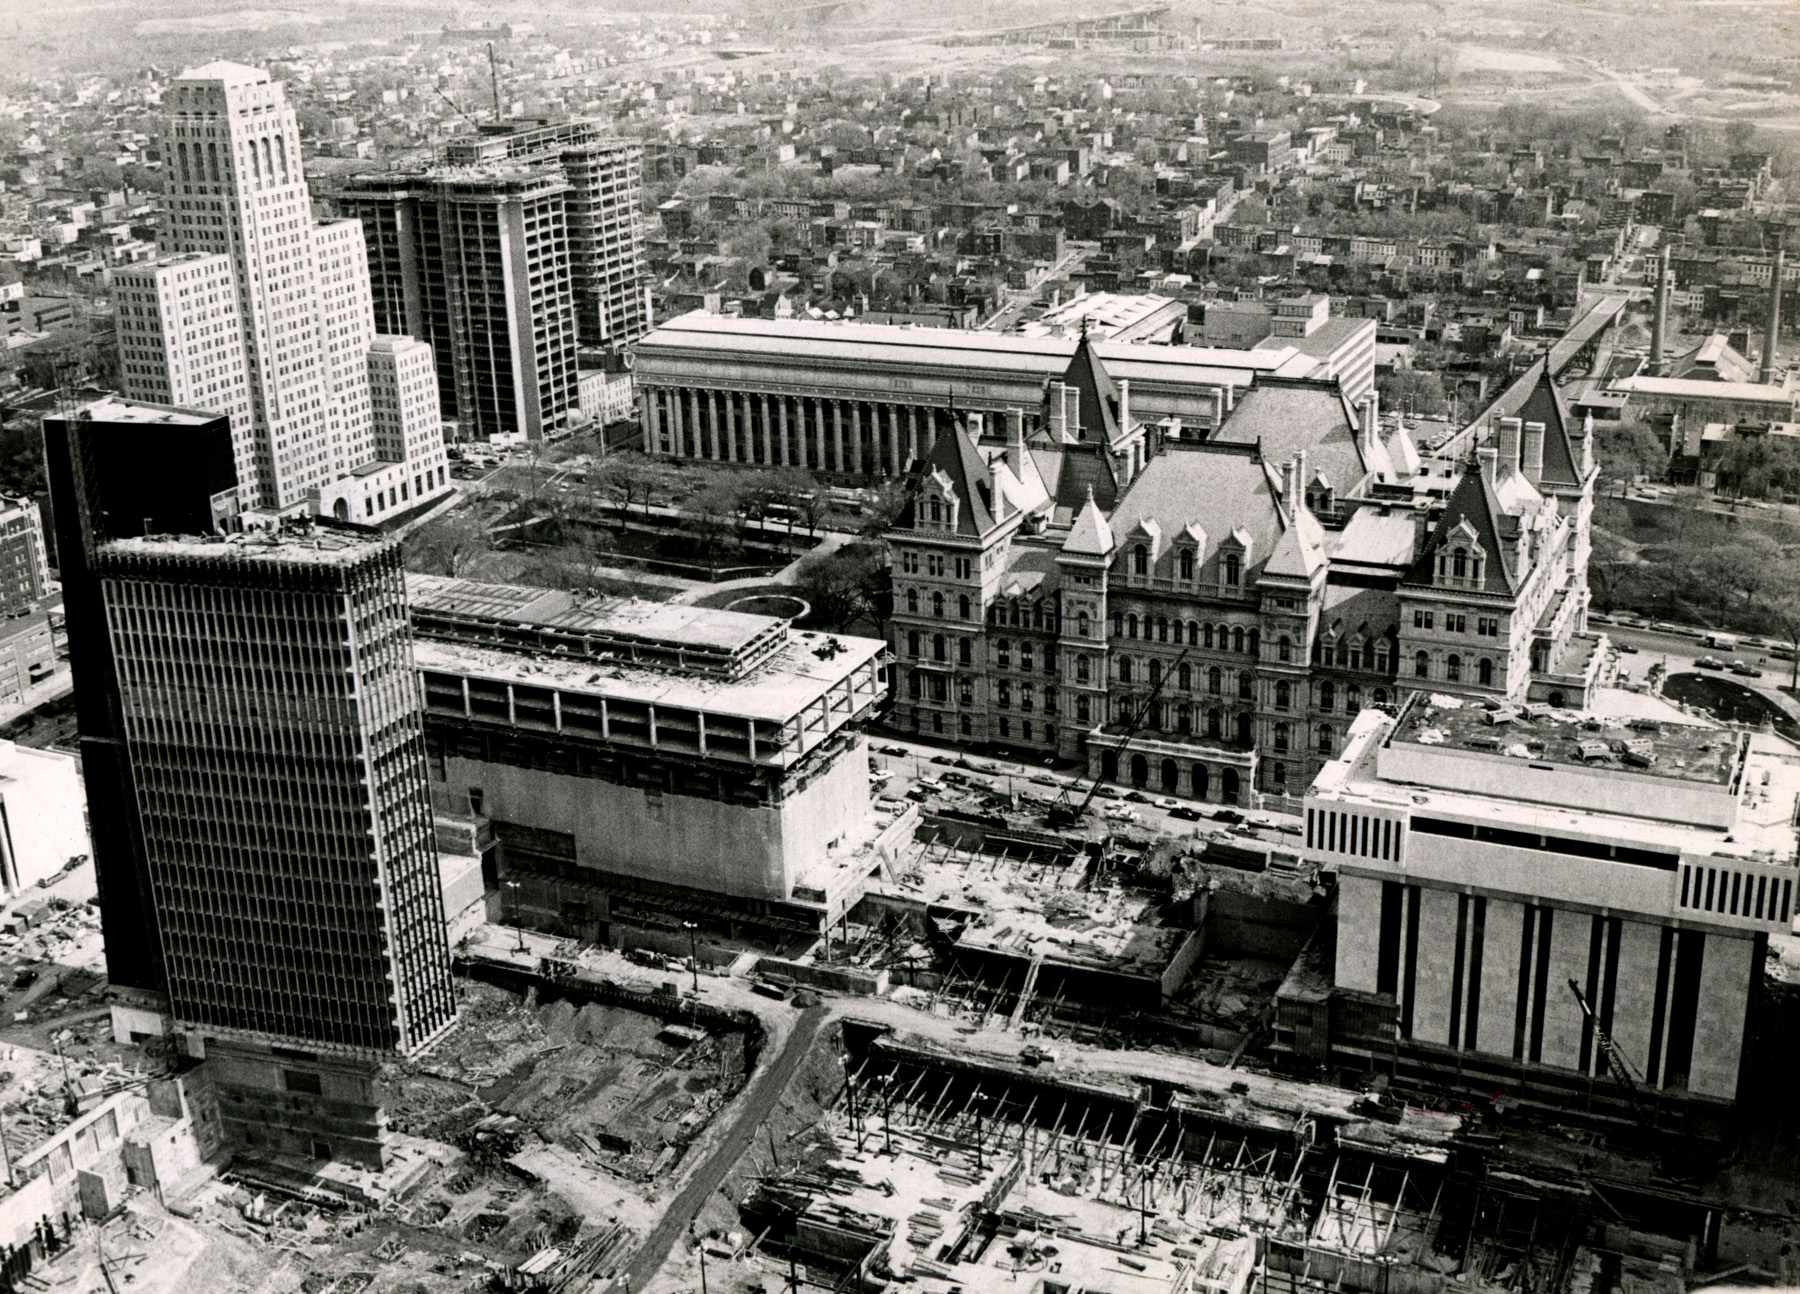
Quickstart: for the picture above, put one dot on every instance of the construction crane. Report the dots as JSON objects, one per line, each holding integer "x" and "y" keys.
{"x": 459, "y": 112}
{"x": 1062, "y": 814}
{"x": 1615, "y": 1062}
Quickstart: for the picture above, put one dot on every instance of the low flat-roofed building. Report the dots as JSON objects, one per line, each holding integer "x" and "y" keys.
{"x": 1526, "y": 895}
{"x": 1113, "y": 316}
{"x": 43, "y": 823}
{"x": 1342, "y": 348}
{"x": 27, "y": 655}
{"x": 1702, "y": 400}
{"x": 636, "y": 758}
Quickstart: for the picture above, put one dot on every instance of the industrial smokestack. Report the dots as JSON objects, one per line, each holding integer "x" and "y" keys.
{"x": 1659, "y": 321}
{"x": 1773, "y": 329}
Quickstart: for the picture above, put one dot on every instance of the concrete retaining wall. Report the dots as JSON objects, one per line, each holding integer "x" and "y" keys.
{"x": 841, "y": 979}
{"x": 1246, "y": 925}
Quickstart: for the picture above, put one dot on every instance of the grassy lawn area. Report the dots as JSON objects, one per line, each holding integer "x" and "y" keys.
{"x": 1732, "y": 702}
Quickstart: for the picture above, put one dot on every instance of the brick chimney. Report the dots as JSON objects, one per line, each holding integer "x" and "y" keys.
{"x": 1531, "y": 452}
{"x": 1015, "y": 442}
{"x": 1508, "y": 444}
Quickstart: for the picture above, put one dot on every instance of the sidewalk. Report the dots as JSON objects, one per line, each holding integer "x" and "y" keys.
{"x": 829, "y": 542}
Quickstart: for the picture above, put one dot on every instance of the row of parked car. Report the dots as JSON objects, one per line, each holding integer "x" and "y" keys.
{"x": 1741, "y": 668}
{"x": 1707, "y": 637}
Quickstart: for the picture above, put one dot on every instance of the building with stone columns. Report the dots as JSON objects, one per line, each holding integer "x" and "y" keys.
{"x": 861, "y": 402}
{"x": 1203, "y": 610}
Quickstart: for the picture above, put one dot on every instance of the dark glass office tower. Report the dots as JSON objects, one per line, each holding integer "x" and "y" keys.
{"x": 118, "y": 468}
{"x": 253, "y": 722}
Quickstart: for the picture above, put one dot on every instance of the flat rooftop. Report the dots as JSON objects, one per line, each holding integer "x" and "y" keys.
{"x": 319, "y": 547}
{"x": 682, "y": 637}
{"x": 802, "y": 669}
{"x": 1703, "y": 389}
{"x": 1024, "y": 358}
{"x": 1543, "y": 735}
{"x": 110, "y": 409}
{"x": 1751, "y": 817}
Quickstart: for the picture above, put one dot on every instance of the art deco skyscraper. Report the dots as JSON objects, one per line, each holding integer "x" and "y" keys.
{"x": 288, "y": 359}
{"x": 233, "y": 187}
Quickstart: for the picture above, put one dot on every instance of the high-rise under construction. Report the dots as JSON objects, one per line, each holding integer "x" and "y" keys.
{"x": 606, "y": 243}
{"x": 474, "y": 260}
{"x": 523, "y": 244}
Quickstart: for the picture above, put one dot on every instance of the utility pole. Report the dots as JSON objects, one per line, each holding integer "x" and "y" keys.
{"x": 699, "y": 1245}
{"x": 855, "y": 1117}
{"x": 5, "y": 1153}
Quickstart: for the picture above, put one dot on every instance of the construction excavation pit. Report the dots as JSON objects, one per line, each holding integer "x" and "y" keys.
{"x": 935, "y": 1167}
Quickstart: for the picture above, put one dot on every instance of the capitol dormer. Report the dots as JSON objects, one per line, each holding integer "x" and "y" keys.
{"x": 938, "y": 502}
{"x": 1460, "y": 558}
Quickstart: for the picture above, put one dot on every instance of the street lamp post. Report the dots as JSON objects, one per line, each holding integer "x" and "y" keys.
{"x": 514, "y": 887}
{"x": 693, "y": 953}
{"x": 699, "y": 1245}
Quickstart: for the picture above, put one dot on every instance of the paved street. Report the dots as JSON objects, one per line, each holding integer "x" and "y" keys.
{"x": 1679, "y": 651}
{"x": 765, "y": 1089}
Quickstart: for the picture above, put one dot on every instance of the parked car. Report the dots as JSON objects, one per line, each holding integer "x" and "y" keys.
{"x": 1137, "y": 797}
{"x": 1167, "y": 802}
{"x": 1185, "y": 813}
{"x": 1745, "y": 670}
{"x": 1044, "y": 779}
{"x": 25, "y": 978}
{"x": 1229, "y": 816}
{"x": 893, "y": 750}
{"x": 945, "y": 760}
{"x": 1626, "y": 649}
{"x": 1709, "y": 662}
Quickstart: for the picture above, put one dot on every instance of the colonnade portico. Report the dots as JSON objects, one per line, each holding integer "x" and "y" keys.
{"x": 836, "y": 436}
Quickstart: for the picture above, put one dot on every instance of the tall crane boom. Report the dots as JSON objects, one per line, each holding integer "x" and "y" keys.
{"x": 1062, "y": 813}
{"x": 1615, "y": 1062}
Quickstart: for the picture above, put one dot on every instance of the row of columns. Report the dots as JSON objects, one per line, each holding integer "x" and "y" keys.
{"x": 819, "y": 433}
